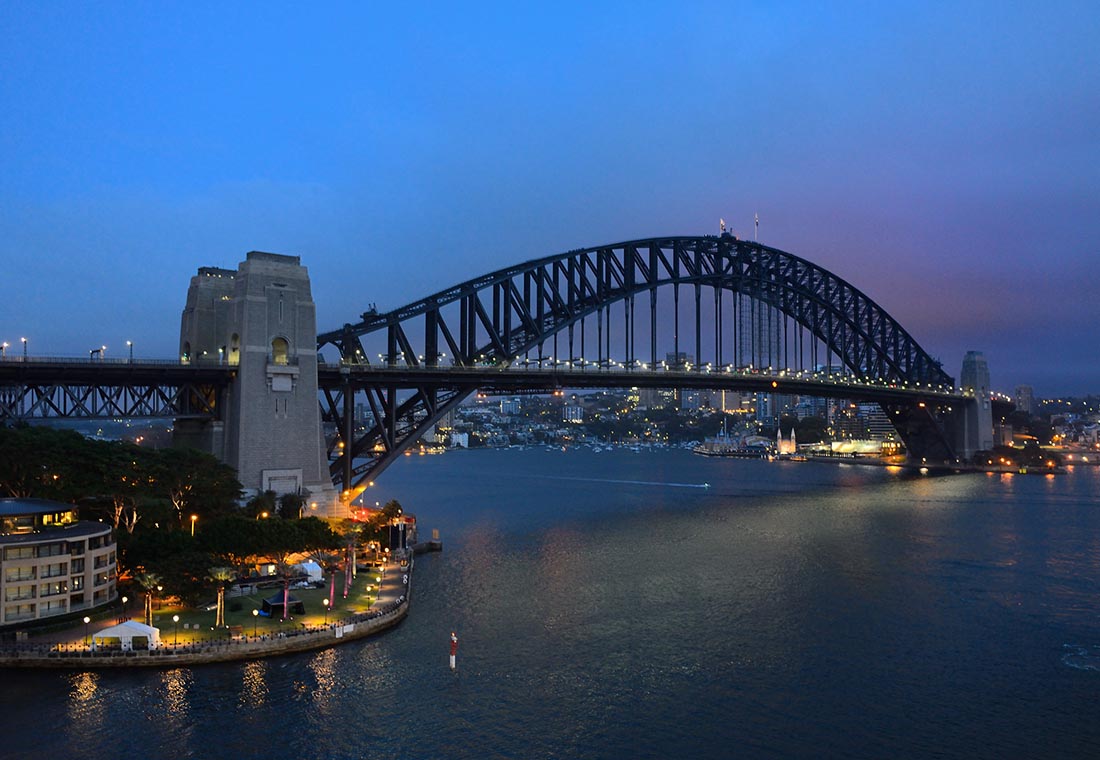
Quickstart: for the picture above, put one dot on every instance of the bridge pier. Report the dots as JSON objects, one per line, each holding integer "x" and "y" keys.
{"x": 949, "y": 432}
{"x": 261, "y": 320}
{"x": 976, "y": 426}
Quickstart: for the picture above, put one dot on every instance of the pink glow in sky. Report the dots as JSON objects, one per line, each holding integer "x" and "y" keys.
{"x": 944, "y": 158}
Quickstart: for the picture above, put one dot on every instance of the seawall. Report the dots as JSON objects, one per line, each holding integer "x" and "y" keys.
{"x": 246, "y": 648}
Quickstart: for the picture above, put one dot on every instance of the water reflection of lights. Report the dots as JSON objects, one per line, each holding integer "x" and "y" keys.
{"x": 176, "y": 685}
{"x": 323, "y": 665}
{"x": 254, "y": 684}
{"x": 86, "y": 703}
{"x": 85, "y": 686}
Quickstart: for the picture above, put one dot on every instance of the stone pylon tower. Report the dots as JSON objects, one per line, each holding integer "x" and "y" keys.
{"x": 261, "y": 319}
{"x": 978, "y": 420}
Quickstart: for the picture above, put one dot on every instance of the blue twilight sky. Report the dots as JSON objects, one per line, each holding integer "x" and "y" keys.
{"x": 943, "y": 157}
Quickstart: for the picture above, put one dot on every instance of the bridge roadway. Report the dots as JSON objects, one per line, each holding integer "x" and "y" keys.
{"x": 54, "y": 387}
{"x": 565, "y": 376}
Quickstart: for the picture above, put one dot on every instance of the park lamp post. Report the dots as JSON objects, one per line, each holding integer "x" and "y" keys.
{"x": 255, "y": 620}
{"x": 176, "y": 632}
{"x": 326, "y": 611}
{"x": 86, "y": 621}
{"x": 194, "y": 519}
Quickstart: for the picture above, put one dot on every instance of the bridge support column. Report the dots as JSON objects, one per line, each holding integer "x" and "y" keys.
{"x": 976, "y": 426}
{"x": 262, "y": 320}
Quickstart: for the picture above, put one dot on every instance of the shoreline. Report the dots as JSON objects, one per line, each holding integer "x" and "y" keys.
{"x": 960, "y": 469}
{"x": 388, "y": 615}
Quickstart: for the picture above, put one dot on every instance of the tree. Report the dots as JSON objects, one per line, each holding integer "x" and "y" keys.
{"x": 330, "y": 563}
{"x": 196, "y": 483}
{"x": 375, "y": 529}
{"x": 812, "y": 430}
{"x": 314, "y": 533}
{"x": 148, "y": 581}
{"x": 40, "y": 462}
{"x": 222, "y": 576}
{"x": 290, "y": 506}
{"x": 127, "y": 479}
{"x": 391, "y": 509}
{"x": 234, "y": 539}
{"x": 261, "y": 503}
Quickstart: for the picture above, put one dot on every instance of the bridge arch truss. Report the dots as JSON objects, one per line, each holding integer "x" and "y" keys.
{"x": 702, "y": 303}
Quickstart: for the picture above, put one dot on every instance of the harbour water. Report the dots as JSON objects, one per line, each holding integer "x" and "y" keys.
{"x": 607, "y": 606}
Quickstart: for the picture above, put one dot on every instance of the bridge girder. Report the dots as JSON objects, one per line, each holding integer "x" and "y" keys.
{"x": 59, "y": 389}
{"x": 494, "y": 319}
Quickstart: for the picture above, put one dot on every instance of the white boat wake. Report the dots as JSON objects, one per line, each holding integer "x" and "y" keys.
{"x": 631, "y": 482}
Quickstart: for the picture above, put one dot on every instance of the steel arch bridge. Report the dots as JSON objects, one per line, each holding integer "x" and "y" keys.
{"x": 747, "y": 312}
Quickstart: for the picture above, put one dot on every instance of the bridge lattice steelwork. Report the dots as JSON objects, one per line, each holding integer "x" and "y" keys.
{"x": 748, "y": 309}
{"x": 49, "y": 388}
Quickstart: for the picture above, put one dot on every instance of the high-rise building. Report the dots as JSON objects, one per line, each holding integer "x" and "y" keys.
{"x": 679, "y": 361}
{"x": 729, "y": 401}
{"x": 876, "y": 425}
{"x": 572, "y": 413}
{"x": 757, "y": 333}
{"x": 1025, "y": 399}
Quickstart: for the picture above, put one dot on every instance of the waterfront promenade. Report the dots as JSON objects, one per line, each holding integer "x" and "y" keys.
{"x": 70, "y": 651}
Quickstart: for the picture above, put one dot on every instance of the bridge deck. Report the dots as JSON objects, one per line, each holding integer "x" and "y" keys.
{"x": 561, "y": 377}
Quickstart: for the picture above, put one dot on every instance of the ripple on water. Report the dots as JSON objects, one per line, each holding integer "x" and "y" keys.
{"x": 1082, "y": 657}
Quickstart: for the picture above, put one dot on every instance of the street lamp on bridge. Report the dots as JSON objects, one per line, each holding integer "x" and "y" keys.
{"x": 130, "y": 345}
{"x": 24, "y": 347}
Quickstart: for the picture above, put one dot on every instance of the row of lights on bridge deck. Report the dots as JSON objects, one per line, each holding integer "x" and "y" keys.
{"x": 709, "y": 367}
{"x": 101, "y": 352}
{"x": 4, "y": 348}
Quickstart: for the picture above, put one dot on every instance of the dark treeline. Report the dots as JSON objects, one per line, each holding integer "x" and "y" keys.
{"x": 154, "y": 497}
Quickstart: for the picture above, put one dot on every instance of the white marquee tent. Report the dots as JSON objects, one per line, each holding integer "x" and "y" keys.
{"x": 124, "y": 634}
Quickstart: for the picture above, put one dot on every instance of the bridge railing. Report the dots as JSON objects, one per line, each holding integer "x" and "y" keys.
{"x": 112, "y": 361}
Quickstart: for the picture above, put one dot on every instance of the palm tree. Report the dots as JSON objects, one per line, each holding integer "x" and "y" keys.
{"x": 221, "y": 576}
{"x": 330, "y": 561}
{"x": 148, "y": 581}
{"x": 284, "y": 569}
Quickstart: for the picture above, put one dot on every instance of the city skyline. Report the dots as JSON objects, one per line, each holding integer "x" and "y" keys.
{"x": 943, "y": 160}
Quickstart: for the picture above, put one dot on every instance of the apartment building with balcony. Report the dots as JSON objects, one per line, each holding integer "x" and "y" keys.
{"x": 52, "y": 563}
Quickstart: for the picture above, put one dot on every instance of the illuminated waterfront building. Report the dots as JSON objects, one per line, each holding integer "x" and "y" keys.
{"x": 51, "y": 563}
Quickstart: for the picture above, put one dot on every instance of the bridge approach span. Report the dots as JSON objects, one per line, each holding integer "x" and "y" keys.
{"x": 34, "y": 388}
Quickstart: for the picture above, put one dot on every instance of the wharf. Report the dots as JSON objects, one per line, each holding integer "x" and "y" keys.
{"x": 435, "y": 545}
